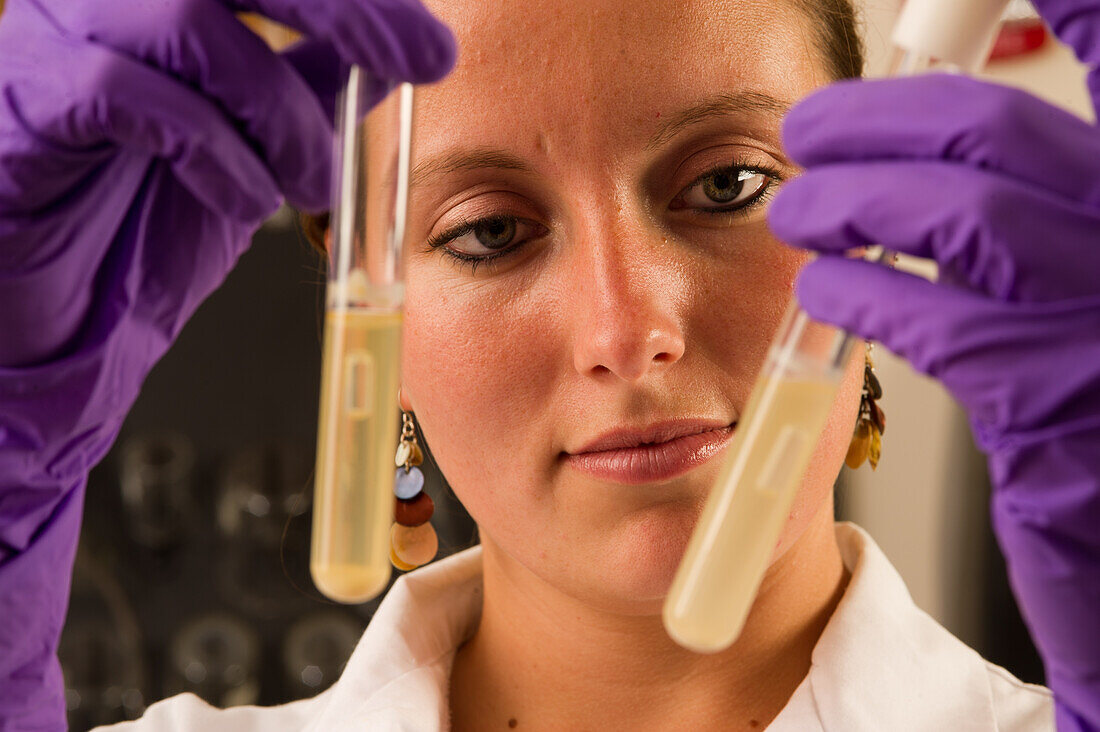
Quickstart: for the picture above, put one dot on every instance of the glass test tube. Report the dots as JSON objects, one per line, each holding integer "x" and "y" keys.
{"x": 357, "y": 429}
{"x": 738, "y": 530}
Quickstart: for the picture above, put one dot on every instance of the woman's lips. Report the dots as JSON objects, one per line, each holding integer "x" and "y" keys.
{"x": 631, "y": 459}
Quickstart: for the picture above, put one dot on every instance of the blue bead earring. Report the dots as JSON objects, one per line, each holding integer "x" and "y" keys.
{"x": 413, "y": 541}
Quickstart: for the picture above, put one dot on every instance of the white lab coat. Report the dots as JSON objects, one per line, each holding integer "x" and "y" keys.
{"x": 881, "y": 665}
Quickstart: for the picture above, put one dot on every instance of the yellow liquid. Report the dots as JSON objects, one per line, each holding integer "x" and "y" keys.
{"x": 356, "y": 439}
{"x": 733, "y": 542}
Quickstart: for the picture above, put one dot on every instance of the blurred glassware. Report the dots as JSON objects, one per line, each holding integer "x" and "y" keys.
{"x": 257, "y": 581}
{"x": 216, "y": 658}
{"x": 263, "y": 569}
{"x": 101, "y": 650}
{"x": 155, "y": 480}
{"x": 261, "y": 489}
{"x": 316, "y": 649}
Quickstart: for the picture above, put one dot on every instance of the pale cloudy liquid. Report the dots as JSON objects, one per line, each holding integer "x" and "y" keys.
{"x": 356, "y": 439}
{"x": 740, "y": 525}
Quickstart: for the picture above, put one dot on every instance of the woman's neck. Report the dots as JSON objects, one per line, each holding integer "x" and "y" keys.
{"x": 551, "y": 663}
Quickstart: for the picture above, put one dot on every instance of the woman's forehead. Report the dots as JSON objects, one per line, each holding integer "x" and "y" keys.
{"x": 557, "y": 69}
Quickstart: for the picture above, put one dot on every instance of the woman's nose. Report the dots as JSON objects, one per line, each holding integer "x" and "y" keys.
{"x": 626, "y": 314}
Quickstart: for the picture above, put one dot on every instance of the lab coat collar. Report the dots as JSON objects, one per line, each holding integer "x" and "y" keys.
{"x": 398, "y": 677}
{"x": 880, "y": 664}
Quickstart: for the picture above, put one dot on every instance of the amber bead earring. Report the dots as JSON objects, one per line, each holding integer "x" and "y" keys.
{"x": 413, "y": 541}
{"x": 867, "y": 438}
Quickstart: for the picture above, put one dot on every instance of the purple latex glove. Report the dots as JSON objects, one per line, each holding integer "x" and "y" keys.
{"x": 1003, "y": 191}
{"x": 141, "y": 144}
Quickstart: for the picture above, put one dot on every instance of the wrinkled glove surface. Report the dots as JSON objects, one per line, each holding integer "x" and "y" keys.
{"x": 1003, "y": 191}
{"x": 141, "y": 145}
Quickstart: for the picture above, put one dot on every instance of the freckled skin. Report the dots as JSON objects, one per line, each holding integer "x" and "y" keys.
{"x": 622, "y": 314}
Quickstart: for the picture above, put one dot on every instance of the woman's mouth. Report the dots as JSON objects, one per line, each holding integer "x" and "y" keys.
{"x": 659, "y": 452}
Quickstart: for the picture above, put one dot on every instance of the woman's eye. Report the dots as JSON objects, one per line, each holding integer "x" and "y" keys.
{"x": 495, "y": 234}
{"x": 487, "y": 238}
{"x": 723, "y": 190}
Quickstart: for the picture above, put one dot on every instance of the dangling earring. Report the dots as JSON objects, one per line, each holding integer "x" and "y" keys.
{"x": 413, "y": 541}
{"x": 867, "y": 438}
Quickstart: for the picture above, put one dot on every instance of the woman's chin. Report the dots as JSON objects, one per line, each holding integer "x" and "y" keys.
{"x": 642, "y": 561}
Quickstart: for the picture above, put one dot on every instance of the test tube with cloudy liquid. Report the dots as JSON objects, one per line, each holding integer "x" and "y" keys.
{"x": 732, "y": 545}
{"x": 357, "y": 430}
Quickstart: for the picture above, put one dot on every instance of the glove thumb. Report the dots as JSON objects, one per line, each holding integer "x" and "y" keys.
{"x": 965, "y": 340}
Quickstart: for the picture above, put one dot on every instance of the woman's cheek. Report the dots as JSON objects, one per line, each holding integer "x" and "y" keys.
{"x": 751, "y": 314}
{"x": 478, "y": 372}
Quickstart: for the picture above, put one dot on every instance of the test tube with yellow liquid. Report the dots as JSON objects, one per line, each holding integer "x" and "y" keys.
{"x": 358, "y": 425}
{"x": 740, "y": 525}
{"x": 732, "y": 545}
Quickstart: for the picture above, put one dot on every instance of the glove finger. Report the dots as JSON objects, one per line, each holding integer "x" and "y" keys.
{"x": 881, "y": 304}
{"x": 1077, "y": 24}
{"x": 321, "y": 67}
{"x": 33, "y": 170}
{"x": 393, "y": 39}
{"x": 318, "y": 63}
{"x": 996, "y": 235}
{"x": 110, "y": 98}
{"x": 203, "y": 44}
{"x": 996, "y": 358}
{"x": 952, "y": 118}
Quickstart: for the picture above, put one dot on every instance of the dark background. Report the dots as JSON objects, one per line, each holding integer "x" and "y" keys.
{"x": 166, "y": 599}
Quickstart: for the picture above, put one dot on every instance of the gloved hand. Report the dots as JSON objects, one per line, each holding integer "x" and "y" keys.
{"x": 141, "y": 144}
{"x": 1003, "y": 191}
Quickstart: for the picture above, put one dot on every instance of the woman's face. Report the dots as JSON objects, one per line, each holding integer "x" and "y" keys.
{"x": 593, "y": 264}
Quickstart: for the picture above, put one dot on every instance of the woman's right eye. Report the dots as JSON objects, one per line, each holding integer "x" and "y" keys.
{"x": 487, "y": 238}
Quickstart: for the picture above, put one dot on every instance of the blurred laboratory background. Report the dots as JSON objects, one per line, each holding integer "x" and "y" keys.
{"x": 193, "y": 567}
{"x": 192, "y": 573}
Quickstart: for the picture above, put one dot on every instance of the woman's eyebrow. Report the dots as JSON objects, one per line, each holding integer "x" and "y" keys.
{"x": 719, "y": 106}
{"x": 459, "y": 160}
